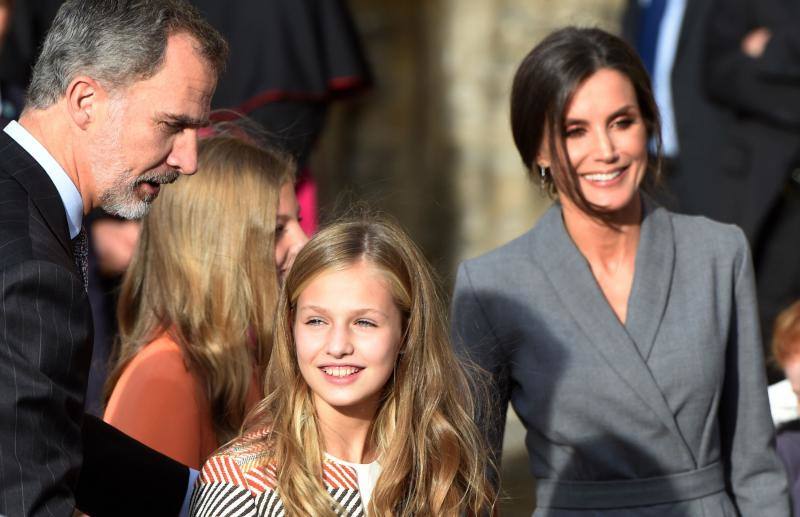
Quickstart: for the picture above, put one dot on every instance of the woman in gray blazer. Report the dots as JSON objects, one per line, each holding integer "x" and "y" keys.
{"x": 624, "y": 336}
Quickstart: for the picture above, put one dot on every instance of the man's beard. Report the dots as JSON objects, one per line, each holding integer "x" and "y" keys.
{"x": 119, "y": 189}
{"x": 122, "y": 196}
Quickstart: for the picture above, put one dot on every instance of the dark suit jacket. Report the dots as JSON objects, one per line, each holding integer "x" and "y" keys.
{"x": 762, "y": 94}
{"x": 45, "y": 342}
{"x": 708, "y": 160}
{"x": 45, "y": 348}
{"x": 788, "y": 446}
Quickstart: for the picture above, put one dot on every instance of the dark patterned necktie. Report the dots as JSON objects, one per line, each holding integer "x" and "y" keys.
{"x": 80, "y": 250}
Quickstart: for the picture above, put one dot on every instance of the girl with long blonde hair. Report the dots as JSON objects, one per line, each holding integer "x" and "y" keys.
{"x": 368, "y": 410}
{"x": 196, "y": 306}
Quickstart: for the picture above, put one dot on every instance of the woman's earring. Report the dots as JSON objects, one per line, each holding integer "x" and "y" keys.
{"x": 543, "y": 173}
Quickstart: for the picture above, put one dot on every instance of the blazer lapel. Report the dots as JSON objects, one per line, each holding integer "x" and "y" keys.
{"x": 575, "y": 284}
{"x": 28, "y": 173}
{"x": 655, "y": 263}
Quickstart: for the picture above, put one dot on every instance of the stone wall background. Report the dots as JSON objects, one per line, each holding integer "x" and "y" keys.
{"x": 430, "y": 144}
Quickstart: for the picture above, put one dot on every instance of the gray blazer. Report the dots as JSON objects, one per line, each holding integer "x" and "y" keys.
{"x": 665, "y": 415}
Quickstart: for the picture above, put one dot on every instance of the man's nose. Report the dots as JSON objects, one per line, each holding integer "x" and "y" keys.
{"x": 183, "y": 156}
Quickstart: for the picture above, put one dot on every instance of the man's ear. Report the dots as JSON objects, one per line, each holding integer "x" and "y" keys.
{"x": 85, "y": 98}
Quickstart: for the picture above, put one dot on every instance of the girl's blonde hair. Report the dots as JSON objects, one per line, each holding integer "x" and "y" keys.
{"x": 204, "y": 272}
{"x": 432, "y": 456}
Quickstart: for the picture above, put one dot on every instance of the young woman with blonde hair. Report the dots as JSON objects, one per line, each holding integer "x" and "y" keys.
{"x": 368, "y": 410}
{"x": 196, "y": 306}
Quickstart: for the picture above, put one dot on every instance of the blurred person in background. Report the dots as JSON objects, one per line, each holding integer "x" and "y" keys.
{"x": 197, "y": 303}
{"x": 112, "y": 241}
{"x": 290, "y": 60}
{"x": 29, "y": 22}
{"x": 753, "y": 72}
{"x": 12, "y": 95}
{"x": 786, "y": 353}
{"x": 625, "y": 336}
{"x": 699, "y": 159}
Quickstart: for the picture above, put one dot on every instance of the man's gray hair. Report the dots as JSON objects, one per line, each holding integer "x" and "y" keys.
{"x": 117, "y": 42}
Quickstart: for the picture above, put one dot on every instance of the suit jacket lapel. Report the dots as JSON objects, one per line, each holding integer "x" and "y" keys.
{"x": 655, "y": 263}
{"x": 575, "y": 284}
{"x": 28, "y": 173}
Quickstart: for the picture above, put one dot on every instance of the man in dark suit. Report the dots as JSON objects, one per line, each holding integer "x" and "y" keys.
{"x": 115, "y": 101}
{"x": 701, "y": 161}
{"x": 753, "y": 71}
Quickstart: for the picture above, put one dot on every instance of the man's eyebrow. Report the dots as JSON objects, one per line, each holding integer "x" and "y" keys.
{"x": 184, "y": 120}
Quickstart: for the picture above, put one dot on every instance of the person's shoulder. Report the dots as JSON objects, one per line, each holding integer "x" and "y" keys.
{"x": 701, "y": 233}
{"x": 156, "y": 372}
{"x": 15, "y": 239}
{"x": 246, "y": 461}
{"x": 161, "y": 357}
{"x": 159, "y": 367}
{"x": 239, "y": 474}
{"x": 501, "y": 259}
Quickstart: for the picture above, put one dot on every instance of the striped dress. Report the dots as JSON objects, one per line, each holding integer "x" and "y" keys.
{"x": 236, "y": 482}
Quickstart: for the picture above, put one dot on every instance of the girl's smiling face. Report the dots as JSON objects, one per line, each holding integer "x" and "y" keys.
{"x": 347, "y": 332}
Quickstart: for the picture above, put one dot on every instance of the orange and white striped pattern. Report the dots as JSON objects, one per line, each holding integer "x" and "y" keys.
{"x": 336, "y": 475}
{"x": 232, "y": 484}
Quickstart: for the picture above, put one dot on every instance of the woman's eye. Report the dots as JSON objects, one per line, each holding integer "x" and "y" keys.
{"x": 365, "y": 323}
{"x": 574, "y": 132}
{"x": 314, "y": 321}
{"x": 280, "y": 229}
{"x": 624, "y": 123}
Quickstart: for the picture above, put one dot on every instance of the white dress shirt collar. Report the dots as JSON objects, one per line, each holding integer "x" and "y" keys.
{"x": 70, "y": 196}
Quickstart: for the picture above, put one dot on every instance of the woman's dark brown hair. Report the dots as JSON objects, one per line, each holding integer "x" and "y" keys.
{"x": 544, "y": 85}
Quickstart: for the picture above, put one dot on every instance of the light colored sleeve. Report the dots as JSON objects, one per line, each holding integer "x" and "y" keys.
{"x": 155, "y": 402}
{"x": 754, "y": 474}
{"x": 187, "y": 501}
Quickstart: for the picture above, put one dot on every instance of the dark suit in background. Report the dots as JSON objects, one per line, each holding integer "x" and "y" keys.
{"x": 290, "y": 59}
{"x": 762, "y": 94}
{"x": 30, "y": 20}
{"x": 699, "y": 179}
{"x": 788, "y": 447}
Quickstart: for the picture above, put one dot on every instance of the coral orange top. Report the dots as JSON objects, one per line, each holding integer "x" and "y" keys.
{"x": 161, "y": 403}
